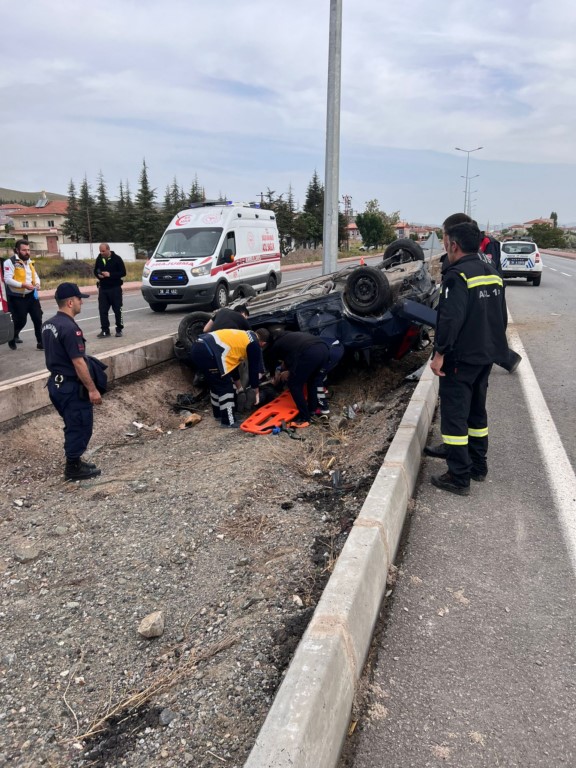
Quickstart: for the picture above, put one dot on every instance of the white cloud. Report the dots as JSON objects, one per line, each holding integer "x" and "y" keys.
{"x": 236, "y": 93}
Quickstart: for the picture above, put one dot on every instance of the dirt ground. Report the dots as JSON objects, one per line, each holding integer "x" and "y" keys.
{"x": 231, "y": 537}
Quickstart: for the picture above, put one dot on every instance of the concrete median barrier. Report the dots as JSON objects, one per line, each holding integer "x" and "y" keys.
{"x": 24, "y": 395}
{"x": 308, "y": 720}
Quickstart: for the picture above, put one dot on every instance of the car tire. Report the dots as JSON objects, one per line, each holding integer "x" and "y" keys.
{"x": 191, "y": 326}
{"x": 220, "y": 296}
{"x": 367, "y": 291}
{"x": 272, "y": 282}
{"x": 537, "y": 280}
{"x": 402, "y": 251}
{"x": 243, "y": 291}
{"x": 157, "y": 306}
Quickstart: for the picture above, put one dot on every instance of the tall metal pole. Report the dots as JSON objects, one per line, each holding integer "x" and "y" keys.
{"x": 330, "y": 228}
{"x": 468, "y": 153}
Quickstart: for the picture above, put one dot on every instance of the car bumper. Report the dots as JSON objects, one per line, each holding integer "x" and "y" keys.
{"x": 195, "y": 295}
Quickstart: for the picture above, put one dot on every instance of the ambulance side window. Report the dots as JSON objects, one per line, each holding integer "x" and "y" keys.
{"x": 228, "y": 244}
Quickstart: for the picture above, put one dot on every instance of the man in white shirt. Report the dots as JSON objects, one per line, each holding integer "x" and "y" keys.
{"x": 22, "y": 286}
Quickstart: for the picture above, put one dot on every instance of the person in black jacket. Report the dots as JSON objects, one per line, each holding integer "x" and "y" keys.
{"x": 229, "y": 318}
{"x": 308, "y": 359}
{"x": 470, "y": 337}
{"x": 109, "y": 269}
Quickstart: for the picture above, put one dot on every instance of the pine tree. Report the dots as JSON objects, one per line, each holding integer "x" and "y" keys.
{"x": 71, "y": 226}
{"x": 102, "y": 218}
{"x": 148, "y": 223}
{"x": 314, "y": 206}
{"x": 197, "y": 193}
{"x": 121, "y": 224}
{"x": 85, "y": 213}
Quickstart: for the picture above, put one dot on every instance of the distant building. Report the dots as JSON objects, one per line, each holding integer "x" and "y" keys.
{"x": 353, "y": 233}
{"x": 42, "y": 225}
{"x": 531, "y": 223}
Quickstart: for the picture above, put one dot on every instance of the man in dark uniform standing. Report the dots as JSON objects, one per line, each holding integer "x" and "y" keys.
{"x": 470, "y": 337}
{"x": 71, "y": 388}
{"x": 109, "y": 269}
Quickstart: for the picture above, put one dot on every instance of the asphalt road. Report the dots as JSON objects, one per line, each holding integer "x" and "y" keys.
{"x": 545, "y": 318}
{"x": 139, "y": 320}
{"x": 474, "y": 661}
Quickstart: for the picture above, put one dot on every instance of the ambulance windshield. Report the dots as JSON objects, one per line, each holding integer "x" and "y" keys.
{"x": 193, "y": 243}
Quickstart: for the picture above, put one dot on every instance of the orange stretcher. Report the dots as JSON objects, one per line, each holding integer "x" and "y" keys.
{"x": 263, "y": 421}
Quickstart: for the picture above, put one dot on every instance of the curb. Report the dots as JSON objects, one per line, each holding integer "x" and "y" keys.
{"x": 308, "y": 721}
{"x": 26, "y": 394}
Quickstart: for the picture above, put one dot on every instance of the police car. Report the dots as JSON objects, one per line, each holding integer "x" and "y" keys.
{"x": 6, "y": 324}
{"x": 521, "y": 258}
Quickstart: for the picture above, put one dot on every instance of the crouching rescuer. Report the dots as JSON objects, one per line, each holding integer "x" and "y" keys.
{"x": 71, "y": 387}
{"x": 217, "y": 355}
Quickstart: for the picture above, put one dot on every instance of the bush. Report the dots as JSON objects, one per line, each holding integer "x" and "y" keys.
{"x": 66, "y": 270}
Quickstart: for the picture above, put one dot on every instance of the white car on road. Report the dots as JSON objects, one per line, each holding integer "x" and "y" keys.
{"x": 521, "y": 258}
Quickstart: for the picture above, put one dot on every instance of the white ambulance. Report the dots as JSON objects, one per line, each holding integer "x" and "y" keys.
{"x": 211, "y": 251}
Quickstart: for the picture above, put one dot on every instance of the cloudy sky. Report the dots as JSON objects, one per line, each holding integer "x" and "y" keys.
{"x": 234, "y": 92}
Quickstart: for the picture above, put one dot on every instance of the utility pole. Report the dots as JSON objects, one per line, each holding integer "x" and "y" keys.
{"x": 468, "y": 153}
{"x": 330, "y": 223}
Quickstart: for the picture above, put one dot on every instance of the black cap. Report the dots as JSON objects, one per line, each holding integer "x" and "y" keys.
{"x": 68, "y": 291}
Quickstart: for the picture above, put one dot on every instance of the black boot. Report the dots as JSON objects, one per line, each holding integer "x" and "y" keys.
{"x": 438, "y": 451}
{"x": 76, "y": 469}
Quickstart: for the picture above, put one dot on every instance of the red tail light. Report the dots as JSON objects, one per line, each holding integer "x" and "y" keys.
{"x": 537, "y": 259}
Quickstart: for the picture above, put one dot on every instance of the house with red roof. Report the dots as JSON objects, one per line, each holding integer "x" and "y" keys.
{"x": 41, "y": 225}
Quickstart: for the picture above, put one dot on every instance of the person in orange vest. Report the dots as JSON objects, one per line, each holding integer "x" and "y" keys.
{"x": 22, "y": 285}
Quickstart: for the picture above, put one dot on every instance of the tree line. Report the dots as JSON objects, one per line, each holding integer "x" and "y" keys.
{"x": 141, "y": 219}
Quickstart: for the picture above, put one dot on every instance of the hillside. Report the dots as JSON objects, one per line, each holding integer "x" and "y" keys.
{"x": 27, "y": 197}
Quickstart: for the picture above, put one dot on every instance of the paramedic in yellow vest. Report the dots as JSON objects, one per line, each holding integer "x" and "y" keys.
{"x": 22, "y": 286}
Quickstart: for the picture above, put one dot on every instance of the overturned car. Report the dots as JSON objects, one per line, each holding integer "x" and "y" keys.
{"x": 387, "y": 307}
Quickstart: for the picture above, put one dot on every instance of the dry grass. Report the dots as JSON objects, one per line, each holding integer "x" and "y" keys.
{"x": 160, "y": 684}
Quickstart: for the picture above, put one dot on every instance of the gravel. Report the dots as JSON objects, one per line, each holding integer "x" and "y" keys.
{"x": 229, "y": 538}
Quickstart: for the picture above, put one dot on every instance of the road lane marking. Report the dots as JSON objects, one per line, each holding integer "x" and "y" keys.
{"x": 566, "y": 274}
{"x": 556, "y": 463}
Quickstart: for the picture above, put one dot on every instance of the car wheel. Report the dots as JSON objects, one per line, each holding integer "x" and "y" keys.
{"x": 367, "y": 291}
{"x": 191, "y": 326}
{"x": 402, "y": 251}
{"x": 243, "y": 291}
{"x": 220, "y": 297}
{"x": 272, "y": 282}
{"x": 537, "y": 280}
{"x": 156, "y": 306}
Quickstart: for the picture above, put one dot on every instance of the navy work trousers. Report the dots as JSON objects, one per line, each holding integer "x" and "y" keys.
{"x": 77, "y": 413}
{"x": 463, "y": 419}
{"x": 310, "y": 369}
{"x": 110, "y": 298}
{"x": 222, "y": 391}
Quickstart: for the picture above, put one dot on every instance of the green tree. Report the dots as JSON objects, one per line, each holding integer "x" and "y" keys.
{"x": 384, "y": 234}
{"x": 85, "y": 213}
{"x": 122, "y": 223}
{"x": 197, "y": 193}
{"x": 554, "y": 217}
{"x": 147, "y": 221}
{"x": 102, "y": 218}
{"x": 314, "y": 207}
{"x": 547, "y": 236}
{"x": 71, "y": 226}
{"x": 371, "y": 228}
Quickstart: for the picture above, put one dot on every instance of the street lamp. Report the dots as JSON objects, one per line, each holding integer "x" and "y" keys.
{"x": 468, "y": 153}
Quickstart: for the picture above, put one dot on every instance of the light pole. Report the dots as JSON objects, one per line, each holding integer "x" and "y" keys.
{"x": 469, "y": 211}
{"x": 468, "y": 153}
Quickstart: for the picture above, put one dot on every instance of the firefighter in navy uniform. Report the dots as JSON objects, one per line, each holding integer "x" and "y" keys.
{"x": 470, "y": 337}
{"x": 71, "y": 388}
